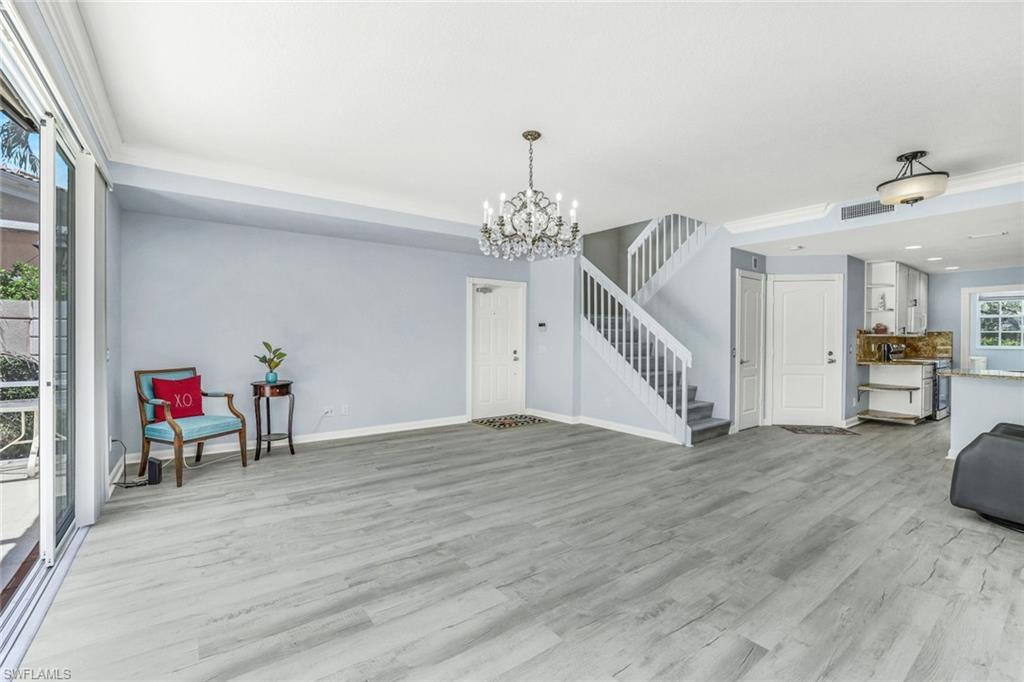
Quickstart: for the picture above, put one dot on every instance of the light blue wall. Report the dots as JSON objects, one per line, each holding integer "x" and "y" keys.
{"x": 114, "y": 373}
{"x": 606, "y": 397}
{"x": 855, "y": 304}
{"x": 381, "y": 328}
{"x": 553, "y": 365}
{"x": 696, "y": 307}
{"x": 944, "y": 309}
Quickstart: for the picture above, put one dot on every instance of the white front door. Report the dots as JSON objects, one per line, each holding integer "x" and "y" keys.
{"x": 806, "y": 379}
{"x": 749, "y": 348}
{"x": 498, "y": 381}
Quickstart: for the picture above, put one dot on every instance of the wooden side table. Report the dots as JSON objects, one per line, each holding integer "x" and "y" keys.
{"x": 263, "y": 390}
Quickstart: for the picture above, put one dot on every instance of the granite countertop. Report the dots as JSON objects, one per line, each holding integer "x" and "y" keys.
{"x": 983, "y": 374}
{"x": 902, "y": 361}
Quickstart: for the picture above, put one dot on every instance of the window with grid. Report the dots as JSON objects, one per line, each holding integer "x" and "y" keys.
{"x": 1000, "y": 321}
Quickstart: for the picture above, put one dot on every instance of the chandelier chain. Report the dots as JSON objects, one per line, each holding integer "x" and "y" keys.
{"x": 531, "y": 166}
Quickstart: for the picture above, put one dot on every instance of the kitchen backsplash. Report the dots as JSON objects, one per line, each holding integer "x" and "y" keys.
{"x": 928, "y": 345}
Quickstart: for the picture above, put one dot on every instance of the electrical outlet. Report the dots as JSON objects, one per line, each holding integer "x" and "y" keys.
{"x": 328, "y": 411}
{"x": 344, "y": 410}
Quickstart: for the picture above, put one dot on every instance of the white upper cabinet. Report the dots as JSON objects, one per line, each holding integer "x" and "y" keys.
{"x": 895, "y": 295}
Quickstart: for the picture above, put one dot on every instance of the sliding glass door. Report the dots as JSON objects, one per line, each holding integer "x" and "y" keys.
{"x": 37, "y": 346}
{"x": 19, "y": 349}
{"x": 64, "y": 344}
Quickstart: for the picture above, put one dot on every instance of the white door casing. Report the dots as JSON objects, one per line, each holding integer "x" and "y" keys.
{"x": 749, "y": 360}
{"x": 805, "y": 364}
{"x": 497, "y": 376}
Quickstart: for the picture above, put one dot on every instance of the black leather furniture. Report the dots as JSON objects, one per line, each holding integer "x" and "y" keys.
{"x": 988, "y": 476}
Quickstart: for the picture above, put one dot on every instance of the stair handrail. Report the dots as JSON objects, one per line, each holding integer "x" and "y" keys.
{"x": 638, "y": 312}
{"x": 656, "y": 245}
{"x": 642, "y": 237}
{"x": 633, "y": 247}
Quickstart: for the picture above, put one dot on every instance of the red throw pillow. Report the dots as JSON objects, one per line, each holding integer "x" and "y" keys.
{"x": 184, "y": 395}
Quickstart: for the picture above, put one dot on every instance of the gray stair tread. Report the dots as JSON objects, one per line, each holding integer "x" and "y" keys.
{"x": 709, "y": 423}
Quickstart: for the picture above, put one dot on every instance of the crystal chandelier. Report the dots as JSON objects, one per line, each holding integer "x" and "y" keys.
{"x": 529, "y": 224}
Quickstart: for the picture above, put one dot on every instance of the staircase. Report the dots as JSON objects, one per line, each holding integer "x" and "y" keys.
{"x": 651, "y": 362}
{"x": 657, "y": 253}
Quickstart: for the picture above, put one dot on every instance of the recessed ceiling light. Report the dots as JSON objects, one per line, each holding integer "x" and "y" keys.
{"x": 912, "y": 247}
{"x": 934, "y": 258}
{"x": 798, "y": 247}
{"x": 952, "y": 267}
{"x": 990, "y": 234}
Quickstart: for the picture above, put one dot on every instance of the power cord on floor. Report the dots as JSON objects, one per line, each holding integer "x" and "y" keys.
{"x": 139, "y": 482}
{"x": 124, "y": 482}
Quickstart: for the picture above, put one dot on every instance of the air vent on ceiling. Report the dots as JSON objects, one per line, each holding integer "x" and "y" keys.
{"x": 868, "y": 208}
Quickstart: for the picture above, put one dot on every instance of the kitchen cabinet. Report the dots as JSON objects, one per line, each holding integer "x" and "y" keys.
{"x": 921, "y": 309}
{"x": 899, "y": 391}
{"x": 896, "y": 295}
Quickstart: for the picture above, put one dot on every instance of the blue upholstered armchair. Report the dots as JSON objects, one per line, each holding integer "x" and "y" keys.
{"x": 177, "y": 432}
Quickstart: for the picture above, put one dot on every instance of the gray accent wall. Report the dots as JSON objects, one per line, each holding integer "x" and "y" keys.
{"x": 944, "y": 309}
{"x": 377, "y": 327}
{"x": 608, "y": 250}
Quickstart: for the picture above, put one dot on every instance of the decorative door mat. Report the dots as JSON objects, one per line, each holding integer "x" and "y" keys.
{"x": 821, "y": 430}
{"x": 510, "y": 421}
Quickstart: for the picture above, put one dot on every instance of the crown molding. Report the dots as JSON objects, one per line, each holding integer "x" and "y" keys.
{"x": 788, "y": 217}
{"x": 67, "y": 29}
{"x": 993, "y": 177}
{"x": 958, "y": 184}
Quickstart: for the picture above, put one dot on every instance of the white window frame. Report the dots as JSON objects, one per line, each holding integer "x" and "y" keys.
{"x": 967, "y": 321}
{"x": 976, "y": 317}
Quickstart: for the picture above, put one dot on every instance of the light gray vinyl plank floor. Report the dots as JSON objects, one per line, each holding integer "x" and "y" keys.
{"x": 550, "y": 552}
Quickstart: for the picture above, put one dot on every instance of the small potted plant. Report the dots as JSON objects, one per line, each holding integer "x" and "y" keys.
{"x": 272, "y": 359}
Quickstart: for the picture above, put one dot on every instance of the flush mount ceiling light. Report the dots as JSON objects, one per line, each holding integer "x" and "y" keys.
{"x": 934, "y": 258}
{"x": 529, "y": 224}
{"x": 913, "y": 246}
{"x": 952, "y": 267}
{"x": 909, "y": 187}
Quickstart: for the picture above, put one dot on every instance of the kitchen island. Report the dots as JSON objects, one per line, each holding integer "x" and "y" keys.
{"x": 980, "y": 400}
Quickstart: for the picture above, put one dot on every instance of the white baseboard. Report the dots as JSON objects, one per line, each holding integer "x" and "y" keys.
{"x": 554, "y": 416}
{"x": 230, "y": 444}
{"x": 114, "y": 475}
{"x": 852, "y": 421}
{"x": 604, "y": 424}
{"x": 631, "y": 430}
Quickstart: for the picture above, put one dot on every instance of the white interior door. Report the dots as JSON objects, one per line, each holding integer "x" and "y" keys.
{"x": 749, "y": 349}
{"x": 806, "y": 378}
{"x": 498, "y": 381}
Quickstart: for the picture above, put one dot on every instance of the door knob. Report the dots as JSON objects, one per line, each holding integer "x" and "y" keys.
{"x": 743, "y": 362}
{"x": 831, "y": 358}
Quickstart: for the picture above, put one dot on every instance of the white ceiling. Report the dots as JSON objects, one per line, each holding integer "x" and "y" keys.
{"x": 720, "y": 111}
{"x": 945, "y": 236}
